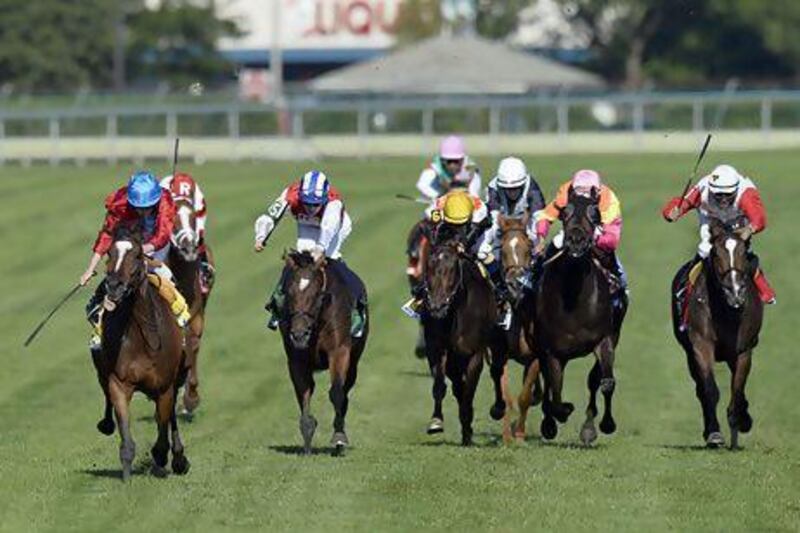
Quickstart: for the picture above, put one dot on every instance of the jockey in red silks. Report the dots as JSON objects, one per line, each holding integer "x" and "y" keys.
{"x": 184, "y": 187}
{"x": 607, "y": 235}
{"x": 725, "y": 189}
{"x": 144, "y": 207}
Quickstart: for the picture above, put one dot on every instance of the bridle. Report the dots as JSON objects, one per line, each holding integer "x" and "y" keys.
{"x": 316, "y": 310}
{"x": 451, "y": 297}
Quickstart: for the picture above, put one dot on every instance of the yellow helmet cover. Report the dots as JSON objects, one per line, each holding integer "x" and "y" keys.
{"x": 458, "y": 207}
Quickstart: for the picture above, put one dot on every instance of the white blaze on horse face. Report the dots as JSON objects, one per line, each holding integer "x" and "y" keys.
{"x": 304, "y": 283}
{"x": 513, "y": 243}
{"x": 730, "y": 245}
{"x": 184, "y": 214}
{"x": 123, "y": 247}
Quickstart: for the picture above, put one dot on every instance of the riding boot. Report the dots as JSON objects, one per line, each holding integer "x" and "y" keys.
{"x": 765, "y": 290}
{"x": 94, "y": 314}
{"x": 413, "y": 306}
{"x": 275, "y": 302}
{"x": 501, "y": 295}
{"x": 358, "y": 319}
{"x": 207, "y": 271}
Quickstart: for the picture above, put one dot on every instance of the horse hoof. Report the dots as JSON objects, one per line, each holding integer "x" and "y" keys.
{"x": 180, "y": 465}
{"x": 436, "y": 425}
{"x": 588, "y": 434}
{"x": 715, "y": 440}
{"x": 608, "y": 425}
{"x": 106, "y": 426}
{"x": 126, "y": 473}
{"x": 158, "y": 471}
{"x": 466, "y": 440}
{"x": 562, "y": 412}
{"x": 607, "y": 385}
{"x": 308, "y": 425}
{"x": 498, "y": 411}
{"x": 190, "y": 402}
{"x": 339, "y": 440}
{"x": 549, "y": 429}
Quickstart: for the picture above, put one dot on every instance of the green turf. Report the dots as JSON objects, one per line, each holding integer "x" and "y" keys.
{"x": 58, "y": 473}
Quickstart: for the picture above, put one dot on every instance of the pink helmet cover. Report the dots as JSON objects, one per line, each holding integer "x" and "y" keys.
{"x": 584, "y": 180}
{"x": 452, "y": 148}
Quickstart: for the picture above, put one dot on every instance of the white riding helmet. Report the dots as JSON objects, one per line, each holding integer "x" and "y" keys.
{"x": 511, "y": 173}
{"x": 724, "y": 180}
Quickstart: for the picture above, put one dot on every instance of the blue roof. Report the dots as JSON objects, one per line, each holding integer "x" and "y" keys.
{"x": 260, "y": 56}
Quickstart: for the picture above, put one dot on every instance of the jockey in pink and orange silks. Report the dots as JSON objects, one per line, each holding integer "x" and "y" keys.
{"x": 607, "y": 235}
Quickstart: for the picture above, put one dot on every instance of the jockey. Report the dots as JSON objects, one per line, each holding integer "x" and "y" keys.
{"x": 607, "y": 235}
{"x": 451, "y": 168}
{"x": 143, "y": 205}
{"x": 512, "y": 193}
{"x": 725, "y": 189}
{"x": 458, "y": 216}
{"x": 184, "y": 187}
{"x": 322, "y": 227}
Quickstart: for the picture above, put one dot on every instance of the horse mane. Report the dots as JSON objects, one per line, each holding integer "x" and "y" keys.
{"x": 125, "y": 233}
{"x": 301, "y": 259}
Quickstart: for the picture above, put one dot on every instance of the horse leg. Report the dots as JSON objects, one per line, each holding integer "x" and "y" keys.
{"x": 165, "y": 408}
{"x": 106, "y": 424}
{"x": 303, "y": 381}
{"x": 464, "y": 378}
{"x": 120, "y": 398}
{"x": 339, "y": 366}
{"x": 739, "y": 418}
{"x": 560, "y": 410}
{"x": 701, "y": 366}
{"x": 588, "y": 431}
{"x": 605, "y": 358}
{"x": 437, "y": 360}
{"x": 530, "y": 379}
{"x": 497, "y": 370}
{"x": 548, "y": 427}
{"x": 191, "y": 398}
{"x": 180, "y": 464}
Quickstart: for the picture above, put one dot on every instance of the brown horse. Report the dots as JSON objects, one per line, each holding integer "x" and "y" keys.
{"x": 141, "y": 351}
{"x": 516, "y": 257}
{"x": 316, "y": 331}
{"x": 417, "y": 249}
{"x": 184, "y": 261}
{"x": 575, "y": 315}
{"x": 458, "y": 319}
{"x": 723, "y": 322}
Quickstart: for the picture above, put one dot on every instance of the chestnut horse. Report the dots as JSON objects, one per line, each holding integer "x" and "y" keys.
{"x": 516, "y": 252}
{"x": 184, "y": 261}
{"x": 141, "y": 352}
{"x": 458, "y": 319}
{"x": 722, "y": 324}
{"x": 575, "y": 315}
{"x": 316, "y": 331}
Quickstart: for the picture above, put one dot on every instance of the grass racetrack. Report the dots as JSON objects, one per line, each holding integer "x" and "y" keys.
{"x": 58, "y": 473}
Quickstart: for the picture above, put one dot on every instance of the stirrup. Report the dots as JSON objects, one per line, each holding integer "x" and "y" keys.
{"x": 410, "y": 308}
{"x": 272, "y": 323}
{"x": 505, "y": 320}
{"x": 95, "y": 342}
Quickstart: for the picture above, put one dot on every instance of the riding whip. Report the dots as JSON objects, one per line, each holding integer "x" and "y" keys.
{"x": 36, "y": 331}
{"x": 694, "y": 172}
{"x": 400, "y": 196}
{"x": 175, "y": 156}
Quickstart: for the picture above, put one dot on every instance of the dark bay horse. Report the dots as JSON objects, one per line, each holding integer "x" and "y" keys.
{"x": 458, "y": 320}
{"x": 316, "y": 331}
{"x": 141, "y": 352}
{"x": 574, "y": 316}
{"x": 417, "y": 249}
{"x": 722, "y": 324}
{"x": 184, "y": 261}
{"x": 516, "y": 257}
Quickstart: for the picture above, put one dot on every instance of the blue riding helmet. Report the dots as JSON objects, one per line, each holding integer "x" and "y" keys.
{"x": 314, "y": 187}
{"x": 143, "y": 190}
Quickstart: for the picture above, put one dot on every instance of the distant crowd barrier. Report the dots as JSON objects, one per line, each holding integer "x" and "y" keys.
{"x": 309, "y": 127}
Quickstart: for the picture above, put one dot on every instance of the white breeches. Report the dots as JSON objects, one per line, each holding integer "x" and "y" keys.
{"x": 308, "y": 237}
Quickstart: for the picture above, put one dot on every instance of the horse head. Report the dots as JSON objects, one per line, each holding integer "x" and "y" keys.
{"x": 185, "y": 236}
{"x": 515, "y": 252}
{"x": 729, "y": 263}
{"x": 306, "y": 293}
{"x": 125, "y": 268}
{"x": 581, "y": 216}
{"x": 443, "y": 276}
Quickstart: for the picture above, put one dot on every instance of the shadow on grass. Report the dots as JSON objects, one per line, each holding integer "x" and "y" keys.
{"x": 299, "y": 450}
{"x": 140, "y": 469}
{"x": 415, "y": 373}
{"x": 686, "y": 447}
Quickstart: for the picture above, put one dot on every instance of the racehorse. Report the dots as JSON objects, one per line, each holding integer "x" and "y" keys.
{"x": 417, "y": 248}
{"x": 721, "y": 322}
{"x": 575, "y": 315}
{"x": 458, "y": 321}
{"x": 316, "y": 331}
{"x": 516, "y": 257}
{"x": 184, "y": 261}
{"x": 141, "y": 351}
